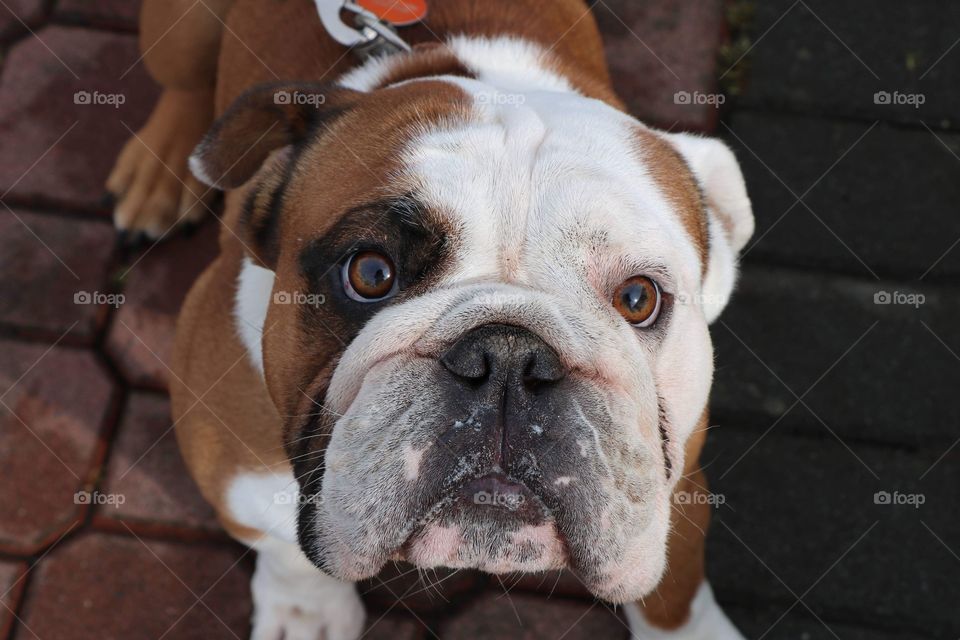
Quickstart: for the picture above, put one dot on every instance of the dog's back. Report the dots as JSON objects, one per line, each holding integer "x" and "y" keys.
{"x": 277, "y": 41}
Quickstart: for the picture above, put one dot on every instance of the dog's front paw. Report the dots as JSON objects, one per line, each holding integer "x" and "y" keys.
{"x": 150, "y": 182}
{"x": 707, "y": 621}
{"x": 293, "y": 600}
{"x": 336, "y": 618}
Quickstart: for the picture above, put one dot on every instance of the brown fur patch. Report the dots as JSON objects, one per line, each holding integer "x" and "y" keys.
{"x": 238, "y": 426}
{"x": 425, "y": 61}
{"x": 674, "y": 177}
{"x": 668, "y": 607}
{"x": 261, "y": 45}
{"x": 349, "y": 165}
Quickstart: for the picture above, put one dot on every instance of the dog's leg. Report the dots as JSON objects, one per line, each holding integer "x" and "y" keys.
{"x": 294, "y": 600}
{"x": 683, "y": 606}
{"x": 153, "y": 188}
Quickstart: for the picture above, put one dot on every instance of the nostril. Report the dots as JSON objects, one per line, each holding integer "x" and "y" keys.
{"x": 466, "y": 363}
{"x": 543, "y": 367}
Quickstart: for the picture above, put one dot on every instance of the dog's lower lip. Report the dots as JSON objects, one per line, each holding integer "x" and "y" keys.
{"x": 496, "y": 490}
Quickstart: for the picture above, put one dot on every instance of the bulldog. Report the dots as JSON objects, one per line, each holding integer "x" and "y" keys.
{"x": 459, "y": 316}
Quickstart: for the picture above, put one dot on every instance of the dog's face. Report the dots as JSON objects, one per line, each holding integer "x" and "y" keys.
{"x": 497, "y": 343}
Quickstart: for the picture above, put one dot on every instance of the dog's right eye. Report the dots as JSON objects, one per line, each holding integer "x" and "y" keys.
{"x": 638, "y": 301}
{"x": 369, "y": 276}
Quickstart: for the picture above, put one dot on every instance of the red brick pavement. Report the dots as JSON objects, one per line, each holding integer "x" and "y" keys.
{"x": 82, "y": 378}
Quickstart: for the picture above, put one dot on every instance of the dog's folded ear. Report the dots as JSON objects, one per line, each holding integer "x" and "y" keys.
{"x": 730, "y": 213}
{"x": 263, "y": 119}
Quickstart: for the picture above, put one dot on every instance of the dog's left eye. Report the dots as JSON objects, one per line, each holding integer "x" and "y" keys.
{"x": 369, "y": 276}
{"x": 638, "y": 301}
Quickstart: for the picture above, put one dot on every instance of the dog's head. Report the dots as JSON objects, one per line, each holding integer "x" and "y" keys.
{"x": 487, "y": 329}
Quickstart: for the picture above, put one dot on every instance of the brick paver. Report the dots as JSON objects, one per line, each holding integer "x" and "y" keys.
{"x": 392, "y": 627}
{"x": 659, "y": 48}
{"x": 110, "y": 14}
{"x": 18, "y": 16}
{"x": 526, "y": 617}
{"x": 835, "y": 313}
{"x": 104, "y": 586}
{"x": 146, "y": 469}
{"x": 141, "y": 335}
{"x": 423, "y": 593}
{"x": 851, "y": 177}
{"x": 11, "y": 588}
{"x": 559, "y": 583}
{"x": 39, "y": 107}
{"x": 800, "y": 624}
{"x": 830, "y": 56}
{"x": 50, "y": 422}
{"x": 62, "y": 266}
{"x": 802, "y": 504}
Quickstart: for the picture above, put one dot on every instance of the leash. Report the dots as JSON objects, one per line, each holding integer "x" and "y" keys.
{"x": 375, "y": 23}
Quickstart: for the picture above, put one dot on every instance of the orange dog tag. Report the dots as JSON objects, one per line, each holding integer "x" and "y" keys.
{"x": 399, "y": 13}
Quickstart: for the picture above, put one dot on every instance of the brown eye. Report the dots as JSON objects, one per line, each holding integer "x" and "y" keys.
{"x": 638, "y": 300}
{"x": 369, "y": 276}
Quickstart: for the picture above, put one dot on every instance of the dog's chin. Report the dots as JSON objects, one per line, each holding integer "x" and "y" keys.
{"x": 437, "y": 545}
{"x": 498, "y": 537}
{"x": 481, "y": 528}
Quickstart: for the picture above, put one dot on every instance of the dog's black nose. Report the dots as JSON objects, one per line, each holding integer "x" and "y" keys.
{"x": 503, "y": 354}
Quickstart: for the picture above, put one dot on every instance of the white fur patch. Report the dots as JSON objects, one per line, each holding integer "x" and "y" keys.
{"x": 707, "y": 621}
{"x": 294, "y": 600}
{"x": 254, "y": 287}
{"x": 411, "y": 461}
{"x": 509, "y": 63}
{"x": 266, "y": 502}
